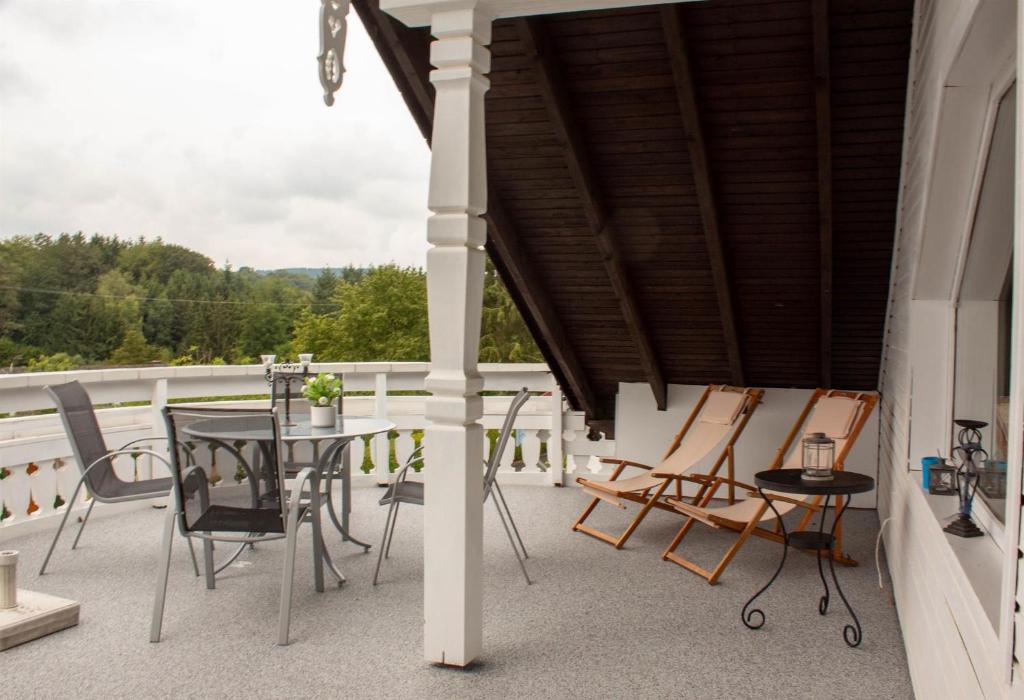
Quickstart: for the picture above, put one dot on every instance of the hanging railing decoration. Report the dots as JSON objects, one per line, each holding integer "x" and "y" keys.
{"x": 333, "y": 26}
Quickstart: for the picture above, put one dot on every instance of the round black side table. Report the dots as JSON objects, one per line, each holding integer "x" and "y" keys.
{"x": 791, "y": 481}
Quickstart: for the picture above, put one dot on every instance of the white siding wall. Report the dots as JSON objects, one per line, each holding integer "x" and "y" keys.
{"x": 952, "y": 648}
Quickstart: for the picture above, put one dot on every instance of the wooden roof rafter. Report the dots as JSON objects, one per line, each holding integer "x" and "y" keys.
{"x": 823, "y": 121}
{"x": 526, "y": 289}
{"x": 552, "y": 91}
{"x": 675, "y": 41}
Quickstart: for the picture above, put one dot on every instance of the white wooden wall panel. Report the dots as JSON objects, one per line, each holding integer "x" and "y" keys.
{"x": 952, "y": 650}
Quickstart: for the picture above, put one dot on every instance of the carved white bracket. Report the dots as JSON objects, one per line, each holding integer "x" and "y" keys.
{"x": 333, "y": 27}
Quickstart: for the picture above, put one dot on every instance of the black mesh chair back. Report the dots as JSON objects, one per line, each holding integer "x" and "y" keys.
{"x": 503, "y": 437}
{"x": 221, "y": 489}
{"x": 86, "y": 438}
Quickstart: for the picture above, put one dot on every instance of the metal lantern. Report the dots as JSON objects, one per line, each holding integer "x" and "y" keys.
{"x": 819, "y": 453}
{"x": 942, "y": 480}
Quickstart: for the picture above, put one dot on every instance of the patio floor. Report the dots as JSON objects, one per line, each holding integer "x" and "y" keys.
{"x": 596, "y": 622}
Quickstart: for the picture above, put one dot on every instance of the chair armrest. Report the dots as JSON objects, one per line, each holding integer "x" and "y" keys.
{"x": 624, "y": 462}
{"x": 306, "y": 474}
{"x": 786, "y": 499}
{"x": 695, "y": 478}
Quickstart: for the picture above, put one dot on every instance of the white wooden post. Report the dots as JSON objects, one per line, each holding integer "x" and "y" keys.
{"x": 381, "y": 461}
{"x": 453, "y": 515}
{"x": 159, "y": 429}
{"x": 555, "y": 450}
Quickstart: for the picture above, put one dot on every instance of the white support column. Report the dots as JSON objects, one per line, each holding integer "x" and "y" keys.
{"x": 453, "y": 516}
{"x": 159, "y": 430}
{"x": 555, "y": 449}
{"x": 381, "y": 443}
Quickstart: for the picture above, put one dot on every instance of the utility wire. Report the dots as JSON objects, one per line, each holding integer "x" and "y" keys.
{"x": 67, "y": 292}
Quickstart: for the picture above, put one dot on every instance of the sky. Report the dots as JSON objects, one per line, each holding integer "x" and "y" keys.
{"x": 204, "y": 123}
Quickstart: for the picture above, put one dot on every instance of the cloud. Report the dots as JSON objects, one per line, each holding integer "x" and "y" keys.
{"x": 205, "y": 125}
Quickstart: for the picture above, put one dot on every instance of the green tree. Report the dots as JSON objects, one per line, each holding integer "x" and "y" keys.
{"x": 134, "y": 350}
{"x": 382, "y": 317}
{"x": 323, "y": 292}
{"x": 504, "y": 336}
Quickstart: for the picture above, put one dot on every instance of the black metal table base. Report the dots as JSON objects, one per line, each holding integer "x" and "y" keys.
{"x": 754, "y": 618}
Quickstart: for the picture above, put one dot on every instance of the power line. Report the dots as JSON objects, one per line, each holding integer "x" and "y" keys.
{"x": 67, "y": 292}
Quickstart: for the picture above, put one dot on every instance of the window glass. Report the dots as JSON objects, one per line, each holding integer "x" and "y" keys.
{"x": 982, "y": 381}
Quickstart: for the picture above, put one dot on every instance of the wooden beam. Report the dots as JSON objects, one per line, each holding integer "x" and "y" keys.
{"x": 527, "y": 290}
{"x": 533, "y": 39}
{"x": 521, "y": 280}
{"x": 823, "y": 118}
{"x": 672, "y": 25}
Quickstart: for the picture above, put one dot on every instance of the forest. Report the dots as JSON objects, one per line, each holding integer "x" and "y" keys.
{"x": 73, "y": 300}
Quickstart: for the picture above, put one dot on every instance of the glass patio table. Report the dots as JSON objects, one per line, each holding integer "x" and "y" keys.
{"x": 298, "y": 429}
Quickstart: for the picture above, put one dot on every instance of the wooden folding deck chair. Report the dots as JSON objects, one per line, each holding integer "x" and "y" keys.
{"x": 839, "y": 414}
{"x": 722, "y": 412}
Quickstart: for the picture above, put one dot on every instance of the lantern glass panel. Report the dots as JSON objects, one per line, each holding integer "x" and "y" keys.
{"x": 818, "y": 456}
{"x": 942, "y": 480}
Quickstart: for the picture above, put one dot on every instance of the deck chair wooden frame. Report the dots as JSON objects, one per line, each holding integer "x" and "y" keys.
{"x": 710, "y": 484}
{"x": 653, "y": 495}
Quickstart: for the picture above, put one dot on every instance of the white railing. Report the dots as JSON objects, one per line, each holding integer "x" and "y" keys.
{"x": 39, "y": 474}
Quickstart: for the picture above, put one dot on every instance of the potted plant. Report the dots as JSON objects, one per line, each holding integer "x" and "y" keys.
{"x": 321, "y": 391}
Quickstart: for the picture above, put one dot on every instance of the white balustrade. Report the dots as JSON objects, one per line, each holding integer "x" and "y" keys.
{"x": 38, "y": 473}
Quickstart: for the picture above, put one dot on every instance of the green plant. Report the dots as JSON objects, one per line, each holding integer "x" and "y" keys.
{"x": 322, "y": 389}
{"x": 58, "y": 362}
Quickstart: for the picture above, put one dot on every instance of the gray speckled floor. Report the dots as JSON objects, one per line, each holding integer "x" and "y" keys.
{"x": 596, "y": 623}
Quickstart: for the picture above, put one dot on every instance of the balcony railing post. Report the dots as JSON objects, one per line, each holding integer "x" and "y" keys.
{"x": 555, "y": 451}
{"x": 381, "y": 452}
{"x": 158, "y": 430}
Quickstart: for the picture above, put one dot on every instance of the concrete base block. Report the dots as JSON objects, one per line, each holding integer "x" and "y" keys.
{"x": 36, "y": 615}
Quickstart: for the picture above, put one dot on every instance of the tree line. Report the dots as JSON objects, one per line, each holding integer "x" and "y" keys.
{"x": 73, "y": 300}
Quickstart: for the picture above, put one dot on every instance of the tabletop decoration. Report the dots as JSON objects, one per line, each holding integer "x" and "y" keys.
{"x": 818, "y": 456}
{"x": 321, "y": 391}
{"x": 286, "y": 373}
{"x": 968, "y": 452}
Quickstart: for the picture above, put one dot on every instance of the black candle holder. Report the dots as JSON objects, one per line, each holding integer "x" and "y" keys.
{"x": 968, "y": 452}
{"x": 286, "y": 373}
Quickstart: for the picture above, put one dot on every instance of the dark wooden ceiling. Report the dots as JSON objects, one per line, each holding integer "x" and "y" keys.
{"x": 692, "y": 193}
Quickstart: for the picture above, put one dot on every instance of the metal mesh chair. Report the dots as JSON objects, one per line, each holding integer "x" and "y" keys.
{"x": 412, "y": 492}
{"x": 243, "y": 506}
{"x": 95, "y": 460}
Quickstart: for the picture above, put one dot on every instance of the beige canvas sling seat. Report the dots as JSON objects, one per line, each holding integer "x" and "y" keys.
{"x": 718, "y": 418}
{"x": 839, "y": 414}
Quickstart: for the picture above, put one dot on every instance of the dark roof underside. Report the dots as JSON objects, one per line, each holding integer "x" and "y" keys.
{"x": 595, "y": 190}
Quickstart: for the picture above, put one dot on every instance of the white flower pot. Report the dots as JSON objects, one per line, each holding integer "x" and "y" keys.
{"x": 322, "y": 416}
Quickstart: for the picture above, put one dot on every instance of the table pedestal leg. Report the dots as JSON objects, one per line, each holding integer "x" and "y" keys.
{"x": 330, "y": 458}
{"x": 824, "y": 600}
{"x": 851, "y": 633}
{"x": 748, "y": 615}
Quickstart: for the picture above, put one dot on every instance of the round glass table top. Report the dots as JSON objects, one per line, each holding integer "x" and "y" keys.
{"x": 256, "y": 428}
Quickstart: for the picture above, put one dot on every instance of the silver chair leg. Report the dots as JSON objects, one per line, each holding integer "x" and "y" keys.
{"x": 192, "y": 553}
{"x": 60, "y": 528}
{"x": 162, "y": 571}
{"x": 512, "y": 541}
{"x": 82, "y": 526}
{"x": 511, "y": 520}
{"x": 387, "y": 550}
{"x": 285, "y": 617}
{"x": 208, "y": 566}
{"x": 318, "y": 544}
{"x": 384, "y": 541}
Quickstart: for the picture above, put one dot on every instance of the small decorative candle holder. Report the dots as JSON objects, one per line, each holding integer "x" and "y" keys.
{"x": 942, "y": 480}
